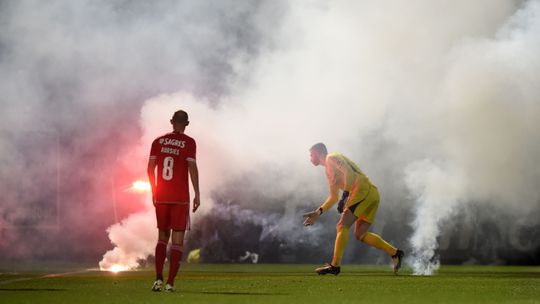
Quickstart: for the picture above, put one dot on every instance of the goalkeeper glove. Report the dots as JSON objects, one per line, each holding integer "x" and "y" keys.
{"x": 342, "y": 200}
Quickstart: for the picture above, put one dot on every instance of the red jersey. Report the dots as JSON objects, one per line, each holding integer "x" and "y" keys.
{"x": 172, "y": 152}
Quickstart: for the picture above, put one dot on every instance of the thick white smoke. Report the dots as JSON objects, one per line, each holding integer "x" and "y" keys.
{"x": 74, "y": 78}
{"x": 221, "y": 156}
{"x": 438, "y": 193}
{"x": 451, "y": 85}
{"x": 133, "y": 239}
{"x": 488, "y": 112}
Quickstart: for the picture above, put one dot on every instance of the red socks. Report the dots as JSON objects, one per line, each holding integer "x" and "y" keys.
{"x": 161, "y": 252}
{"x": 176, "y": 256}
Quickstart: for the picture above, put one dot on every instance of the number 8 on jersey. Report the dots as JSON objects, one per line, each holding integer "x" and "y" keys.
{"x": 172, "y": 152}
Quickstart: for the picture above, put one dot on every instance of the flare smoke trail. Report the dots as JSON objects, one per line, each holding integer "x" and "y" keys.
{"x": 489, "y": 149}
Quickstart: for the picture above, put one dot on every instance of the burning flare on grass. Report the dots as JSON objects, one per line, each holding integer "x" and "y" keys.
{"x": 117, "y": 268}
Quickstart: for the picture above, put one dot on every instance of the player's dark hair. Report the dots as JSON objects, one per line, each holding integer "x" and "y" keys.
{"x": 180, "y": 116}
{"x": 320, "y": 147}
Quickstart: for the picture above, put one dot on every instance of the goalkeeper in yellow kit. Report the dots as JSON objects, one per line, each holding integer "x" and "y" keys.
{"x": 360, "y": 206}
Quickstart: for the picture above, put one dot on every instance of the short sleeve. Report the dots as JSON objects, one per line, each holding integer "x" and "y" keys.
{"x": 154, "y": 150}
{"x": 191, "y": 151}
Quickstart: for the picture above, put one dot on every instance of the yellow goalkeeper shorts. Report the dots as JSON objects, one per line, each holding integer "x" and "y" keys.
{"x": 366, "y": 209}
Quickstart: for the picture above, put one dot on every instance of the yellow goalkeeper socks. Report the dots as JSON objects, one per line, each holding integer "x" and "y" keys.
{"x": 376, "y": 241}
{"x": 341, "y": 242}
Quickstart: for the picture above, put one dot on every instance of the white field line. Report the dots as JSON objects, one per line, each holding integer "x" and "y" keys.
{"x": 50, "y": 275}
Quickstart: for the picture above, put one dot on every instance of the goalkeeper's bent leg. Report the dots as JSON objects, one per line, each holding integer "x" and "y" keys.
{"x": 378, "y": 242}
{"x": 342, "y": 237}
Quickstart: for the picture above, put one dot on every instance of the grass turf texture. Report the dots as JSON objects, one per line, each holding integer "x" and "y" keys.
{"x": 279, "y": 284}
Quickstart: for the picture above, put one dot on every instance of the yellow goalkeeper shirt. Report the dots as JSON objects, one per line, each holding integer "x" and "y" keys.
{"x": 343, "y": 174}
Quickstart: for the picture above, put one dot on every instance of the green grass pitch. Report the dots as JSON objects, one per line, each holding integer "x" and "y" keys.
{"x": 278, "y": 284}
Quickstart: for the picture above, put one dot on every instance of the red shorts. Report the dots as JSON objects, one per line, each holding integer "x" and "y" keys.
{"x": 172, "y": 216}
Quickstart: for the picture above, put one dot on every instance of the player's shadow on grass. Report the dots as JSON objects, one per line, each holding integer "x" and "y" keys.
{"x": 233, "y": 293}
{"x": 32, "y": 289}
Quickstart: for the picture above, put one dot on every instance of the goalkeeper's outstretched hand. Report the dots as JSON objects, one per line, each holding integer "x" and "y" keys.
{"x": 342, "y": 201}
{"x": 311, "y": 217}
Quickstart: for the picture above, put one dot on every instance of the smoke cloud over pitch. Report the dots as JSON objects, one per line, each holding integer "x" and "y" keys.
{"x": 74, "y": 78}
{"x": 348, "y": 71}
{"x": 436, "y": 101}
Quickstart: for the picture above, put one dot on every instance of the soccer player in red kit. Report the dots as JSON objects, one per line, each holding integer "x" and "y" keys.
{"x": 174, "y": 156}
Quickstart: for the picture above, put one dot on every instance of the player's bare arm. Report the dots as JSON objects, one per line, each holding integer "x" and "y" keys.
{"x": 331, "y": 200}
{"x": 152, "y": 177}
{"x": 194, "y": 175}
